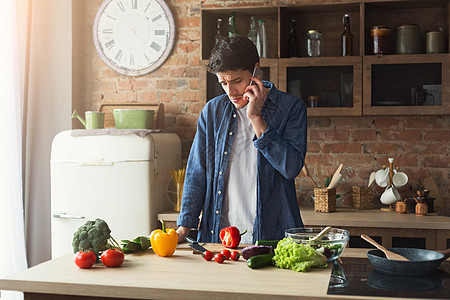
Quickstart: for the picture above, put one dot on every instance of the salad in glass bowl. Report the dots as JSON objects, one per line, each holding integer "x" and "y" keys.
{"x": 331, "y": 245}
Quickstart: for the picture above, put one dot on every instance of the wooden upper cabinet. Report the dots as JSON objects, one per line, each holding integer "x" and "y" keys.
{"x": 362, "y": 84}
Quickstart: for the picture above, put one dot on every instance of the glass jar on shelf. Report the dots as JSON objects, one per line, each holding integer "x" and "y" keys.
{"x": 314, "y": 43}
{"x": 380, "y": 35}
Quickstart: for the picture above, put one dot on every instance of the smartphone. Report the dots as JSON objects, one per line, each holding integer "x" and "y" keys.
{"x": 257, "y": 72}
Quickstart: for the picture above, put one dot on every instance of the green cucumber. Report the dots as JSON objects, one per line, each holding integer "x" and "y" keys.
{"x": 259, "y": 261}
{"x": 272, "y": 243}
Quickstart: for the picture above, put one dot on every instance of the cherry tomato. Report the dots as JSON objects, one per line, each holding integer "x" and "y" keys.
{"x": 219, "y": 257}
{"x": 112, "y": 257}
{"x": 207, "y": 255}
{"x": 84, "y": 259}
{"x": 235, "y": 255}
{"x": 227, "y": 253}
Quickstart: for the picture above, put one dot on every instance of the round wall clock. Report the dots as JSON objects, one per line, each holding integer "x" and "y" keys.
{"x": 134, "y": 37}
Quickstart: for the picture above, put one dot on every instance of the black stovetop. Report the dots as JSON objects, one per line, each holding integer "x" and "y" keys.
{"x": 358, "y": 277}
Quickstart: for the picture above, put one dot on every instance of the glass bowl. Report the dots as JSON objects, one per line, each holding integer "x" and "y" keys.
{"x": 331, "y": 245}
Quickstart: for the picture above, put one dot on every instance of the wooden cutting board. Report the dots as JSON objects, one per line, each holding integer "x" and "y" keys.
{"x": 213, "y": 247}
{"x": 431, "y": 185}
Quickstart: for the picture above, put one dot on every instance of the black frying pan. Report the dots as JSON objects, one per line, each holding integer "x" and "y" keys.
{"x": 420, "y": 261}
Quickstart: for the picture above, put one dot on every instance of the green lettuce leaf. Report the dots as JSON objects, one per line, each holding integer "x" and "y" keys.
{"x": 297, "y": 257}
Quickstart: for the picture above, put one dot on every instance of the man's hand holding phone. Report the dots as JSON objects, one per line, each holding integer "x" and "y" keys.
{"x": 256, "y": 95}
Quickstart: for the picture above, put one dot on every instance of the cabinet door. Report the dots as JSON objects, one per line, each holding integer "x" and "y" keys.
{"x": 337, "y": 84}
{"x": 413, "y": 84}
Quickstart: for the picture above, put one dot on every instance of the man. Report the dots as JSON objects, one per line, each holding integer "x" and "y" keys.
{"x": 249, "y": 147}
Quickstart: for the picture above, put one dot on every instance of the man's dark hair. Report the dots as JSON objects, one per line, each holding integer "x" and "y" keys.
{"x": 232, "y": 54}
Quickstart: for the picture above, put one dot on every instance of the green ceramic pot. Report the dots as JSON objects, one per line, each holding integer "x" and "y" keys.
{"x": 133, "y": 118}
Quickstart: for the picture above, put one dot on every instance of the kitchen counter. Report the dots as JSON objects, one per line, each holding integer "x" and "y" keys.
{"x": 183, "y": 276}
{"x": 389, "y": 225}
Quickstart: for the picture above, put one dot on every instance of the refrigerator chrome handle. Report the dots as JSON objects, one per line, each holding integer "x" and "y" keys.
{"x": 60, "y": 215}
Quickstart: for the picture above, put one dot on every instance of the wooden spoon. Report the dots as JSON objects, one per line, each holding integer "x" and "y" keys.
{"x": 335, "y": 176}
{"x": 389, "y": 254}
{"x": 320, "y": 235}
{"x": 306, "y": 172}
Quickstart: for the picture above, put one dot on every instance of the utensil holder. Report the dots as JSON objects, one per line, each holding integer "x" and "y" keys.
{"x": 362, "y": 197}
{"x": 325, "y": 200}
{"x": 179, "y": 196}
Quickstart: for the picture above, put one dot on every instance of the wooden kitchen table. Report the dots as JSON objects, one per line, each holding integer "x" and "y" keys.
{"x": 183, "y": 276}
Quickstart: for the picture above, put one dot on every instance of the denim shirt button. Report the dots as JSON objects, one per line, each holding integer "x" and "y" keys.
{"x": 212, "y": 231}
{"x": 234, "y": 115}
{"x": 220, "y": 172}
{"x": 226, "y": 152}
{"x": 219, "y": 192}
{"x": 217, "y": 212}
{"x": 230, "y": 133}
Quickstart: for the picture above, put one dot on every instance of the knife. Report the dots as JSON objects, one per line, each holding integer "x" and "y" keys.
{"x": 195, "y": 245}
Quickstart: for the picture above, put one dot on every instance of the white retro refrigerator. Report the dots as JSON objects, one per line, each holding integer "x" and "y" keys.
{"x": 122, "y": 179}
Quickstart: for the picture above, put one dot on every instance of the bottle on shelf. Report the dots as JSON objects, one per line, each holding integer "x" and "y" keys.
{"x": 314, "y": 43}
{"x": 293, "y": 41}
{"x": 232, "y": 25}
{"x": 261, "y": 39}
{"x": 219, "y": 32}
{"x": 346, "y": 37}
{"x": 252, "y": 32}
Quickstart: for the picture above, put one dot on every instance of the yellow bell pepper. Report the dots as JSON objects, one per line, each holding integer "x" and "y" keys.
{"x": 164, "y": 242}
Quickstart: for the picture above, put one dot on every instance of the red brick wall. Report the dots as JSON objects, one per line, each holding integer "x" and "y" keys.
{"x": 420, "y": 145}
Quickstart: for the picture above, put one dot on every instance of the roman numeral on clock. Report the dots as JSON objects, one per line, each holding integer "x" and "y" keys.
{"x": 119, "y": 55}
{"x": 120, "y": 4}
{"x": 156, "y": 18}
{"x": 134, "y": 4}
{"x": 109, "y": 44}
{"x": 145, "y": 10}
{"x": 155, "y": 46}
{"x": 160, "y": 32}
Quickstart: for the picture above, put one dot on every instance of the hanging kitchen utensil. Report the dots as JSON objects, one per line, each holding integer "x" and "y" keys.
{"x": 335, "y": 176}
{"x": 306, "y": 172}
{"x": 389, "y": 254}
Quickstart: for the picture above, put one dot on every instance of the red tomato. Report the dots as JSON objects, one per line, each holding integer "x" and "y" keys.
{"x": 227, "y": 253}
{"x": 85, "y": 260}
{"x": 112, "y": 257}
{"x": 219, "y": 257}
{"x": 235, "y": 255}
{"x": 207, "y": 255}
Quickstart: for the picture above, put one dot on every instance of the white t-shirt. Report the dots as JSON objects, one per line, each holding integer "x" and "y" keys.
{"x": 239, "y": 207}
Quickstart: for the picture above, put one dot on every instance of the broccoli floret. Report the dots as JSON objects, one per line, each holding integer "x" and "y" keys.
{"x": 93, "y": 235}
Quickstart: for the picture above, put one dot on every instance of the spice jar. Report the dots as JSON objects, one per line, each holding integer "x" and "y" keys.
{"x": 400, "y": 207}
{"x": 380, "y": 35}
{"x": 314, "y": 43}
{"x": 421, "y": 209}
{"x": 408, "y": 39}
{"x": 435, "y": 42}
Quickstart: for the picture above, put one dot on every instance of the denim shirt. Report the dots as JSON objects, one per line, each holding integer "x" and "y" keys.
{"x": 281, "y": 154}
